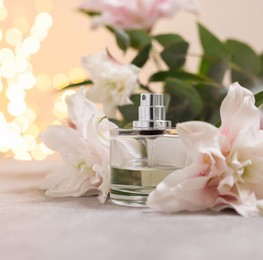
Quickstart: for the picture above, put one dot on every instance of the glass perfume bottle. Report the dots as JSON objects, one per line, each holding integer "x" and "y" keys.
{"x": 143, "y": 156}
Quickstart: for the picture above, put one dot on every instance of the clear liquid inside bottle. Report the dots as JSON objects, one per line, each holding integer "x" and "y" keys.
{"x": 140, "y": 160}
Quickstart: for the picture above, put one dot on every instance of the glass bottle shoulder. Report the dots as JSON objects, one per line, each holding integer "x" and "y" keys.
{"x": 169, "y": 132}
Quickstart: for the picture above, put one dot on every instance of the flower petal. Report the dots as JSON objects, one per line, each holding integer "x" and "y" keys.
{"x": 69, "y": 183}
{"x": 182, "y": 190}
{"x": 114, "y": 83}
{"x": 238, "y": 111}
{"x": 84, "y": 148}
{"x": 199, "y": 137}
{"x": 81, "y": 109}
{"x": 63, "y": 139}
{"x": 136, "y": 14}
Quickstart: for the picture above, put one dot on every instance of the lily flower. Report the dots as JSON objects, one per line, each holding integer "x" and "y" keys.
{"x": 135, "y": 14}
{"x": 226, "y": 169}
{"x": 113, "y": 82}
{"x": 84, "y": 147}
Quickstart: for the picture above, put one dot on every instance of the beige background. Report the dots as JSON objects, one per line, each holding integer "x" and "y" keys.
{"x": 71, "y": 38}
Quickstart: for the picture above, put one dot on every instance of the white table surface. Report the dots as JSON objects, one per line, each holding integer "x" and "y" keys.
{"x": 35, "y": 227}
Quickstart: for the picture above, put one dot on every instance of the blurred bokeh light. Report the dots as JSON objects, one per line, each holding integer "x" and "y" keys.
{"x": 20, "y": 39}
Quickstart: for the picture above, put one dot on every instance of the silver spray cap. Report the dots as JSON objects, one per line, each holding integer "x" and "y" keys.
{"x": 152, "y": 113}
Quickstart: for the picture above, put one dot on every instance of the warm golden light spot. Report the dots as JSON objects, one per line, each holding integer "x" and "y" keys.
{"x": 30, "y": 115}
{"x": 66, "y": 94}
{"x": 10, "y": 136}
{"x": 36, "y": 108}
{"x": 56, "y": 122}
{"x": 20, "y": 147}
{"x": 60, "y": 108}
{"x": 43, "y": 6}
{"x": 22, "y": 24}
{"x": 38, "y": 33}
{"x": 7, "y": 69}
{"x": 30, "y": 142}
{"x": 77, "y": 75}
{"x": 45, "y": 149}
{"x": 60, "y": 80}
{"x": 16, "y": 108}
{"x": 2, "y": 118}
{"x": 43, "y": 82}
{"x": 21, "y": 64}
{"x": 13, "y": 36}
{"x": 31, "y": 45}
{"x": 43, "y": 21}
{"x": 22, "y": 123}
{"x": 4, "y": 148}
{"x": 6, "y": 55}
{"x": 27, "y": 80}
{"x": 14, "y": 92}
{"x": 23, "y": 156}
{"x": 33, "y": 130}
{"x": 20, "y": 135}
{"x": 38, "y": 154}
{"x": 3, "y": 13}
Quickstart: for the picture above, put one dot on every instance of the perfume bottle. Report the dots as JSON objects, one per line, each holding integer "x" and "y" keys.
{"x": 143, "y": 156}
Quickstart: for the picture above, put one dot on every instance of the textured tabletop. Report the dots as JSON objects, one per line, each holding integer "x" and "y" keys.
{"x": 35, "y": 227}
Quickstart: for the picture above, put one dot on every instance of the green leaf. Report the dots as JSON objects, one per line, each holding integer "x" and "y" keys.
{"x": 82, "y": 83}
{"x": 122, "y": 38}
{"x": 247, "y": 62}
{"x": 259, "y": 98}
{"x": 180, "y": 74}
{"x": 130, "y": 112}
{"x": 174, "y": 55}
{"x": 261, "y": 67}
{"x": 216, "y": 57}
{"x": 138, "y": 38}
{"x": 212, "y": 46}
{"x": 185, "y": 102}
{"x": 89, "y": 13}
{"x": 214, "y": 70}
{"x": 142, "y": 56}
{"x": 168, "y": 39}
{"x": 119, "y": 123}
{"x": 212, "y": 97}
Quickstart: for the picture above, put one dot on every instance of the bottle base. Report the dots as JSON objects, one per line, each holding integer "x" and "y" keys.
{"x": 128, "y": 203}
{"x": 129, "y": 195}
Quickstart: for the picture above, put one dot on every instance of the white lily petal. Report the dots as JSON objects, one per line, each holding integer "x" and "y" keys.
{"x": 80, "y": 109}
{"x": 54, "y": 137}
{"x": 232, "y": 157}
{"x": 136, "y": 14}
{"x": 70, "y": 183}
{"x": 84, "y": 148}
{"x": 238, "y": 111}
{"x": 114, "y": 83}
{"x": 182, "y": 190}
{"x": 195, "y": 134}
{"x": 245, "y": 209}
{"x": 226, "y": 185}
